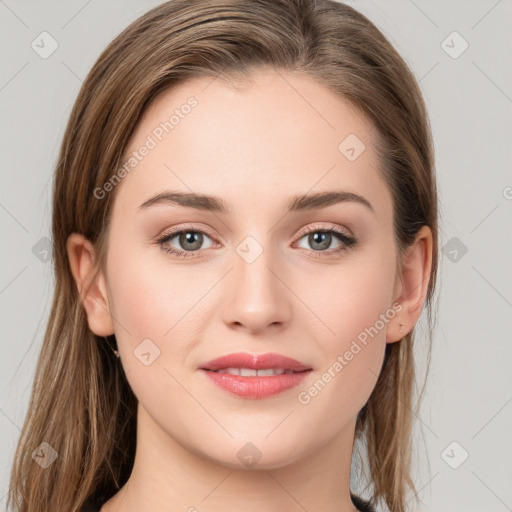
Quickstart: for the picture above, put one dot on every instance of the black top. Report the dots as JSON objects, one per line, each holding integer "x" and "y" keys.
{"x": 361, "y": 504}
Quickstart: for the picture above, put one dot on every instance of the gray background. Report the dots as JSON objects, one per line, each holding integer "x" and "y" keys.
{"x": 468, "y": 409}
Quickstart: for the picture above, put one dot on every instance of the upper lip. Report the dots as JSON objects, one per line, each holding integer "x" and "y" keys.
{"x": 254, "y": 361}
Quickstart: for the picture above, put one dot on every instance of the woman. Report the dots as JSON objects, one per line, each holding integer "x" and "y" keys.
{"x": 288, "y": 143}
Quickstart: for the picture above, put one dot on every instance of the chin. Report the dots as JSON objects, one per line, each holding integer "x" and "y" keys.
{"x": 255, "y": 455}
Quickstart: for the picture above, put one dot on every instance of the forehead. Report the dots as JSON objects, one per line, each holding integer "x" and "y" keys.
{"x": 279, "y": 133}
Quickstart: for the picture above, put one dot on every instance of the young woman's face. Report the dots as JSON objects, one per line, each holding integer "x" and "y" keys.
{"x": 256, "y": 277}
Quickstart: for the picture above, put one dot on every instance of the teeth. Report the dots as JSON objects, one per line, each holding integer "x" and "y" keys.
{"x": 270, "y": 371}
{"x": 250, "y": 372}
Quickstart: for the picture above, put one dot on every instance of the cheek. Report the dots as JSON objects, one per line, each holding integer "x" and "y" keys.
{"x": 148, "y": 300}
{"x": 153, "y": 308}
{"x": 350, "y": 298}
{"x": 353, "y": 303}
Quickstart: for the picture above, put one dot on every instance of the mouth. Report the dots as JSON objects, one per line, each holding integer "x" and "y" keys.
{"x": 255, "y": 376}
{"x": 245, "y": 364}
{"x": 251, "y": 372}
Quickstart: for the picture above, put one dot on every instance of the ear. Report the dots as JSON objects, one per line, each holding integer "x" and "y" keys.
{"x": 411, "y": 285}
{"x": 91, "y": 284}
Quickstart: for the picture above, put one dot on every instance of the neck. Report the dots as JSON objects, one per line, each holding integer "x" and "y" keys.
{"x": 167, "y": 476}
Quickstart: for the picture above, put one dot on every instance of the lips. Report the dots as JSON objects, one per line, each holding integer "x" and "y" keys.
{"x": 231, "y": 363}
{"x": 255, "y": 376}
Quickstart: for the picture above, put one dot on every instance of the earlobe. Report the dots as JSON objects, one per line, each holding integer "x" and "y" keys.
{"x": 412, "y": 284}
{"x": 91, "y": 284}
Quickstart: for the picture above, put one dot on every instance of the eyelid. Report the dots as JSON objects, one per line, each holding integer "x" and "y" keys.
{"x": 320, "y": 227}
{"x": 180, "y": 228}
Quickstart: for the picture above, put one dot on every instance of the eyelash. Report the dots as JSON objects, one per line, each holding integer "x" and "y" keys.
{"x": 347, "y": 241}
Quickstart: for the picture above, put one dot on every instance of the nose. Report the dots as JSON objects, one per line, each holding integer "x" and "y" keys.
{"x": 257, "y": 291}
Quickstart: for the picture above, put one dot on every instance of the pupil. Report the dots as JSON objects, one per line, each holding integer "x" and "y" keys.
{"x": 191, "y": 238}
{"x": 322, "y": 238}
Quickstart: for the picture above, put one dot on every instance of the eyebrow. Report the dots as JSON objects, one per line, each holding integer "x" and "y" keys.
{"x": 296, "y": 203}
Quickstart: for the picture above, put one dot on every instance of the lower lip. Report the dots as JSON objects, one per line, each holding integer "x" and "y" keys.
{"x": 256, "y": 387}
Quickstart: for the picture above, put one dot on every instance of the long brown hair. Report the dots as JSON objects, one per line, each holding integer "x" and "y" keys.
{"x": 81, "y": 402}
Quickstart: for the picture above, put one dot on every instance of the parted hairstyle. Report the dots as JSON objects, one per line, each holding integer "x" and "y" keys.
{"x": 81, "y": 403}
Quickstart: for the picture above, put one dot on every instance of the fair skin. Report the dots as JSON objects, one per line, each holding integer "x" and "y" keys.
{"x": 255, "y": 148}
